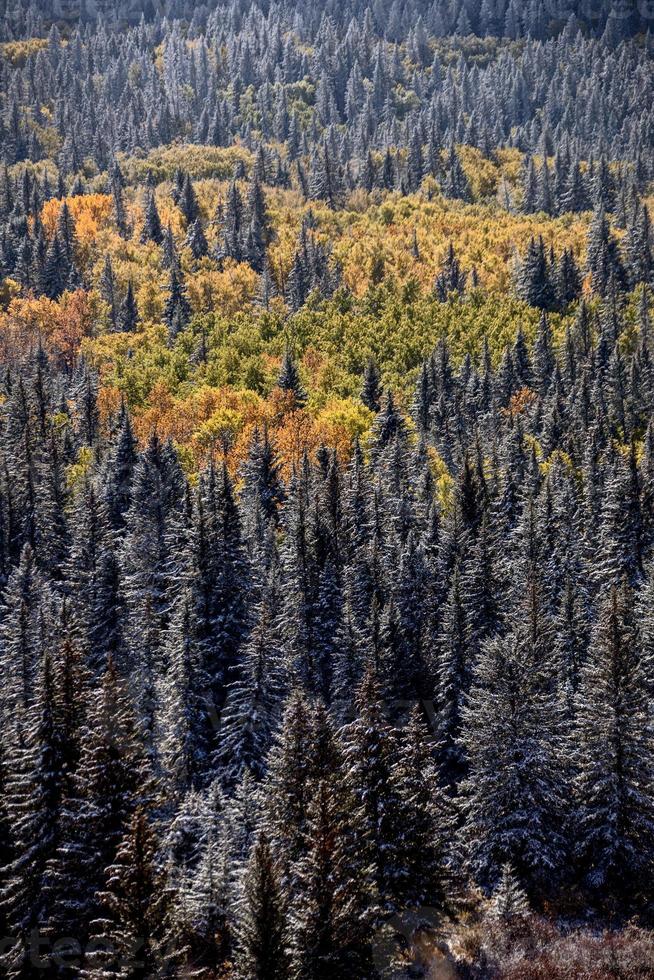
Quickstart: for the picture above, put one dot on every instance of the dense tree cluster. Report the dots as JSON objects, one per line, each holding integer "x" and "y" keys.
{"x": 291, "y": 656}
{"x": 326, "y": 105}
{"x": 359, "y": 94}
{"x": 49, "y": 262}
{"x": 457, "y": 17}
{"x": 247, "y": 722}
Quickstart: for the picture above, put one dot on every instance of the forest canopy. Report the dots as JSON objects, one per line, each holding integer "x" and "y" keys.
{"x": 326, "y": 490}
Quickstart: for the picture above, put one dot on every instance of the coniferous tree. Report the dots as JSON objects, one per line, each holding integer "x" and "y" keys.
{"x": 620, "y": 531}
{"x": 509, "y": 899}
{"x": 289, "y": 381}
{"x": 151, "y": 222}
{"x": 92, "y": 577}
{"x": 533, "y": 282}
{"x": 451, "y": 279}
{"x": 118, "y": 200}
{"x": 201, "y": 934}
{"x": 253, "y": 707}
{"x": 33, "y": 798}
{"x": 326, "y": 179}
{"x": 118, "y": 470}
{"x": 603, "y": 257}
{"x": 370, "y": 752}
{"x": 108, "y": 287}
{"x": 177, "y": 311}
{"x": 186, "y": 715}
{"x": 575, "y": 196}
{"x": 456, "y": 183}
{"x": 134, "y": 902}
{"x": 371, "y": 389}
{"x": 188, "y": 202}
{"x": 196, "y": 240}
{"x": 513, "y": 797}
{"x": 614, "y": 755}
{"x": 260, "y": 230}
{"x": 639, "y": 257}
{"x": 262, "y": 948}
{"x": 232, "y": 238}
{"x": 129, "y": 311}
{"x": 567, "y": 279}
{"x": 26, "y": 617}
{"x": 56, "y": 269}
{"x": 388, "y": 427}
{"x": 329, "y": 919}
{"x": 288, "y": 786}
{"x": 454, "y": 678}
{"x": 426, "y": 846}
{"x": 263, "y": 490}
{"x": 66, "y": 233}
{"x": 96, "y": 808}
{"x": 147, "y": 552}
{"x": 219, "y": 577}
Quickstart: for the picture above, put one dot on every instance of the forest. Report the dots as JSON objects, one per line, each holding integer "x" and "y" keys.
{"x": 326, "y": 490}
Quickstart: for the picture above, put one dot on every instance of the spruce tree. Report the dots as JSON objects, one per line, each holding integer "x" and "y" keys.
{"x": 56, "y": 269}
{"x": 263, "y": 490}
{"x": 253, "y": 707}
{"x": 129, "y": 312}
{"x": 99, "y": 798}
{"x": 514, "y": 796}
{"x": 186, "y": 711}
{"x": 329, "y": 919}
{"x": 619, "y": 554}
{"x": 427, "y": 841}
{"x": 196, "y": 240}
{"x": 261, "y": 941}
{"x": 614, "y": 756}
{"x": 218, "y": 573}
{"x": 533, "y": 283}
{"x": 147, "y": 552}
{"x": 33, "y": 798}
{"x": 371, "y": 389}
{"x": 65, "y": 231}
{"x": 371, "y": 753}
{"x": 118, "y": 470}
{"x": 451, "y": 279}
{"x": 233, "y": 232}
{"x": 151, "y": 231}
{"x": 288, "y": 788}
{"x": 177, "y": 310}
{"x": 455, "y": 184}
{"x": 133, "y": 925}
{"x": 289, "y": 381}
{"x": 27, "y": 614}
{"x": 509, "y": 900}
{"x": 639, "y": 256}
{"x": 603, "y": 257}
{"x": 108, "y": 288}
{"x": 326, "y": 179}
{"x": 92, "y": 577}
{"x": 260, "y": 230}
{"x": 188, "y": 202}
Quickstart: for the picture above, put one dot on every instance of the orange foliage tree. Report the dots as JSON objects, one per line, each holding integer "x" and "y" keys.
{"x": 61, "y": 326}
